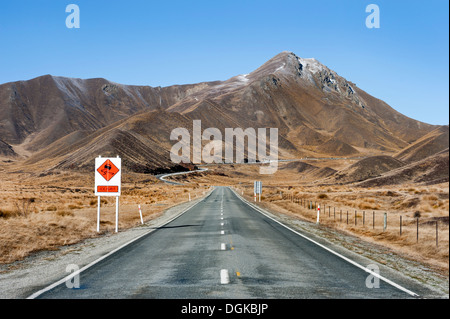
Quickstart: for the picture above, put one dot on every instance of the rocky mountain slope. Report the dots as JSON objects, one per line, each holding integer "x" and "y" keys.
{"x": 317, "y": 113}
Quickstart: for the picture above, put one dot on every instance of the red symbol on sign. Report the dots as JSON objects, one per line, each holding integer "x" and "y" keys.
{"x": 108, "y": 170}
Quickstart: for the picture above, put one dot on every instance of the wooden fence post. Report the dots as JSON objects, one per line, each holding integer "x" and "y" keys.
{"x": 373, "y": 222}
{"x": 436, "y": 233}
{"x": 417, "y": 236}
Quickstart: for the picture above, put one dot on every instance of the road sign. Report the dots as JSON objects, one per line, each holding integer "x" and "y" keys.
{"x": 258, "y": 187}
{"x": 108, "y": 182}
{"x": 108, "y": 176}
{"x": 108, "y": 170}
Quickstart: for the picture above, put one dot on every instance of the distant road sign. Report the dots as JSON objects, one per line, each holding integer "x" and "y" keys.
{"x": 108, "y": 176}
{"x": 258, "y": 187}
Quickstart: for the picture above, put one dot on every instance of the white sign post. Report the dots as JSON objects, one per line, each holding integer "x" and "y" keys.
{"x": 258, "y": 189}
{"x": 108, "y": 176}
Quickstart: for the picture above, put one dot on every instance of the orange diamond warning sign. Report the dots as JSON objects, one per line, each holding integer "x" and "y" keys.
{"x": 108, "y": 170}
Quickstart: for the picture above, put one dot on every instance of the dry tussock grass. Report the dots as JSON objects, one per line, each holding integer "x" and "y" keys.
{"x": 63, "y": 209}
{"x": 338, "y": 211}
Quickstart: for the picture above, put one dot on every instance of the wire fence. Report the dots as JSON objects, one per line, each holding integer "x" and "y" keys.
{"x": 415, "y": 229}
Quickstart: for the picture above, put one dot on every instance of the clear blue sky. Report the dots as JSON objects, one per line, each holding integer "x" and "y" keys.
{"x": 161, "y": 43}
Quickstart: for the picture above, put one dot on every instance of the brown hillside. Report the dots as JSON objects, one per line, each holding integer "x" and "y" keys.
{"x": 335, "y": 147}
{"x": 316, "y": 111}
{"x": 142, "y": 141}
{"x": 431, "y": 170}
{"x": 366, "y": 168}
{"x": 42, "y": 110}
{"x": 432, "y": 143}
{"x": 307, "y": 171}
{"x": 6, "y": 149}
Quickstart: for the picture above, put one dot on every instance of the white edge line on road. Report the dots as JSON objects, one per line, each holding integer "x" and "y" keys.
{"x": 65, "y": 279}
{"x": 328, "y": 249}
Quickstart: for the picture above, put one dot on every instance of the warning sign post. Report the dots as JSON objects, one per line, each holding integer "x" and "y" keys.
{"x": 108, "y": 171}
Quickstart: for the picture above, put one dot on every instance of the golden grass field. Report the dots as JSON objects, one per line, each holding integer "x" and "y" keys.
{"x": 46, "y": 212}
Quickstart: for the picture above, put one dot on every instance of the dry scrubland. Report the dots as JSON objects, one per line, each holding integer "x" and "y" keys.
{"x": 46, "y": 212}
{"x": 288, "y": 193}
{"x": 340, "y": 207}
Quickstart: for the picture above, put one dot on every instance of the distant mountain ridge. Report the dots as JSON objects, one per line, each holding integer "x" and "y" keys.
{"x": 68, "y": 122}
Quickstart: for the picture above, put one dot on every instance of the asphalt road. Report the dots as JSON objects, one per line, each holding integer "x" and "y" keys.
{"x": 162, "y": 177}
{"x": 223, "y": 248}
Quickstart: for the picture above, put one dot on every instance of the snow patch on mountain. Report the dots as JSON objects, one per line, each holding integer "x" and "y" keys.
{"x": 281, "y": 67}
{"x": 243, "y": 78}
{"x": 312, "y": 65}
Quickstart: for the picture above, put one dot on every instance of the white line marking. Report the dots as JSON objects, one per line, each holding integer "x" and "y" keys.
{"x": 224, "y": 277}
{"x": 330, "y": 250}
{"x": 222, "y": 232}
{"x": 223, "y": 246}
{"x": 69, "y": 277}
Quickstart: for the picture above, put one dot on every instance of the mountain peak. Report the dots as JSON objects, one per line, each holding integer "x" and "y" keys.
{"x": 285, "y": 61}
{"x": 288, "y": 62}
{"x": 314, "y": 72}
